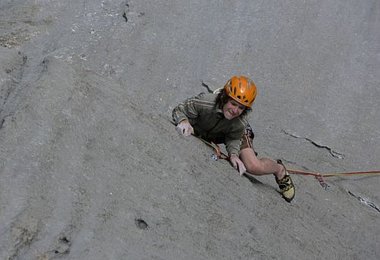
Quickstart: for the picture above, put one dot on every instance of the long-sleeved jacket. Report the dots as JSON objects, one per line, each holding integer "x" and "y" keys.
{"x": 209, "y": 122}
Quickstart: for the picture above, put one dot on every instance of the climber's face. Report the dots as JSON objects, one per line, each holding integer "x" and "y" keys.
{"x": 232, "y": 109}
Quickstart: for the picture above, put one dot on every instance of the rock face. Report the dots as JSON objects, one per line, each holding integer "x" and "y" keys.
{"x": 92, "y": 168}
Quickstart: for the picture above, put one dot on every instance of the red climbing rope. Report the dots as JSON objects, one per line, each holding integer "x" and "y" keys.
{"x": 320, "y": 177}
{"x": 326, "y": 175}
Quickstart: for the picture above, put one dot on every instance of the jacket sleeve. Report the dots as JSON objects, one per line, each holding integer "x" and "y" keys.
{"x": 233, "y": 145}
{"x": 189, "y": 109}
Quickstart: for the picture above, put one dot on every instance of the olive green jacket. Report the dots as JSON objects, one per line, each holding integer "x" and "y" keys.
{"x": 209, "y": 122}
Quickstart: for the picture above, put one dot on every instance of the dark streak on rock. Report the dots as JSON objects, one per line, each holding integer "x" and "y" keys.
{"x": 141, "y": 224}
{"x": 2, "y": 120}
{"x": 207, "y": 87}
{"x": 125, "y": 17}
{"x": 64, "y": 240}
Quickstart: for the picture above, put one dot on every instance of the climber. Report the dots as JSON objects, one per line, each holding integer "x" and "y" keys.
{"x": 220, "y": 117}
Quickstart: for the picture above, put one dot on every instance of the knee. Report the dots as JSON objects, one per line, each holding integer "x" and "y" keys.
{"x": 253, "y": 167}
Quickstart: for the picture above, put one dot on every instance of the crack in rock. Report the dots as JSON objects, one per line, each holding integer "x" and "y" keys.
{"x": 331, "y": 151}
{"x": 14, "y": 70}
{"x": 207, "y": 87}
{"x": 365, "y": 201}
{"x": 126, "y": 10}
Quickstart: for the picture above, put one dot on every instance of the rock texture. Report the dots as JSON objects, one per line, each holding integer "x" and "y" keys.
{"x": 92, "y": 168}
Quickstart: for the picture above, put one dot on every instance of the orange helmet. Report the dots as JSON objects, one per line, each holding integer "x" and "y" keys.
{"x": 241, "y": 89}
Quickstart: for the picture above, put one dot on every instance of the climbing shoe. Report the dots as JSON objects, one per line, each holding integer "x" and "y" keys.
{"x": 286, "y": 185}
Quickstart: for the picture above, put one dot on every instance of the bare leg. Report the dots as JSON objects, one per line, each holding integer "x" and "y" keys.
{"x": 265, "y": 166}
{"x": 262, "y": 166}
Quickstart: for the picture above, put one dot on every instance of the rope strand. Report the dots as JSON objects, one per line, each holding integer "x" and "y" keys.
{"x": 326, "y": 175}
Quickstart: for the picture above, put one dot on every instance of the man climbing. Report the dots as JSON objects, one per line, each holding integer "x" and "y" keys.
{"x": 220, "y": 117}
